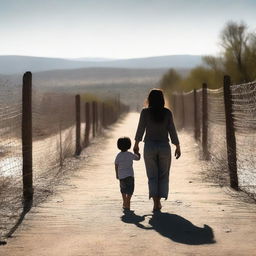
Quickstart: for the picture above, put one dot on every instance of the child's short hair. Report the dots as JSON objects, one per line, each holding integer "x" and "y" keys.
{"x": 124, "y": 143}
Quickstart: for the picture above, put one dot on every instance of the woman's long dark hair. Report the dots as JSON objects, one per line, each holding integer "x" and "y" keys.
{"x": 156, "y": 105}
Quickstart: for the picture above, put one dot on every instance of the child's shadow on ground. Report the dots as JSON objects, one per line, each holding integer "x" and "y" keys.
{"x": 173, "y": 227}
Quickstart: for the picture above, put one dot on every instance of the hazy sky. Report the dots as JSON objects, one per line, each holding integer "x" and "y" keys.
{"x": 117, "y": 28}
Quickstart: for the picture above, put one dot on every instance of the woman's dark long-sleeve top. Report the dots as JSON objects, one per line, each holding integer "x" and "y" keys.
{"x": 156, "y": 131}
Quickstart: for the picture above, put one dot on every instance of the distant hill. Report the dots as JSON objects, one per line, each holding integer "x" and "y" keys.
{"x": 92, "y": 76}
{"x": 20, "y": 64}
{"x": 171, "y": 61}
{"x": 92, "y": 59}
{"x": 11, "y": 64}
{"x": 132, "y": 85}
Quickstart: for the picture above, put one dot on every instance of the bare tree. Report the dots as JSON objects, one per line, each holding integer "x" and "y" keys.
{"x": 234, "y": 38}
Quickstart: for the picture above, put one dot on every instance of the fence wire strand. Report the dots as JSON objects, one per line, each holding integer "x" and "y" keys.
{"x": 243, "y": 98}
{"x": 53, "y": 118}
{"x": 10, "y": 153}
{"x": 244, "y": 113}
{"x": 217, "y": 145}
{"x": 54, "y": 142}
{"x": 189, "y": 110}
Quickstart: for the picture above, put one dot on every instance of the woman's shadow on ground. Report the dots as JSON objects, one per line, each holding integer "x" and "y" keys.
{"x": 172, "y": 226}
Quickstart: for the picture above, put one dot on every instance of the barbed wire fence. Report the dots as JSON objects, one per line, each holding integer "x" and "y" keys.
{"x": 40, "y": 131}
{"x": 10, "y": 153}
{"x": 244, "y": 111}
{"x": 223, "y": 123}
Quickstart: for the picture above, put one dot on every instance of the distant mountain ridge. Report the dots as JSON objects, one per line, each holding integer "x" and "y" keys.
{"x": 92, "y": 59}
{"x": 12, "y": 64}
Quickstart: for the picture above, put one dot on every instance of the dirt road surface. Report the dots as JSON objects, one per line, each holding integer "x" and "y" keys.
{"x": 85, "y": 217}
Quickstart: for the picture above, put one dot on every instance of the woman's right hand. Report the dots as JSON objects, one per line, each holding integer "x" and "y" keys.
{"x": 136, "y": 148}
{"x": 177, "y": 152}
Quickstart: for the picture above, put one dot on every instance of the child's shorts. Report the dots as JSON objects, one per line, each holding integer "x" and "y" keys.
{"x": 127, "y": 185}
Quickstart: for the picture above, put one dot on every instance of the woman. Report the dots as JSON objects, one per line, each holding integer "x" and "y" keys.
{"x": 157, "y": 121}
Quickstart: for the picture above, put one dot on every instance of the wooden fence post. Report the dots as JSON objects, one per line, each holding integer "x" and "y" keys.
{"x": 196, "y": 119}
{"x": 103, "y": 115}
{"x": 78, "y": 126}
{"x": 182, "y": 111}
{"x": 87, "y": 123}
{"x": 100, "y": 116}
{"x": 230, "y": 134}
{"x": 60, "y": 144}
{"x": 27, "y": 171}
{"x": 205, "y": 122}
{"x": 96, "y": 117}
{"x": 174, "y": 106}
{"x": 93, "y": 118}
{"x": 108, "y": 116}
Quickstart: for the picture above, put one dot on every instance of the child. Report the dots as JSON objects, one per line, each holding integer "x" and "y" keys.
{"x": 124, "y": 170}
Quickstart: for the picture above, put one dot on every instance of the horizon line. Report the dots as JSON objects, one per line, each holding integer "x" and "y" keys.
{"x": 103, "y": 58}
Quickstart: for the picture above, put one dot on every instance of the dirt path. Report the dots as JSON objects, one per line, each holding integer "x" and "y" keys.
{"x": 85, "y": 217}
